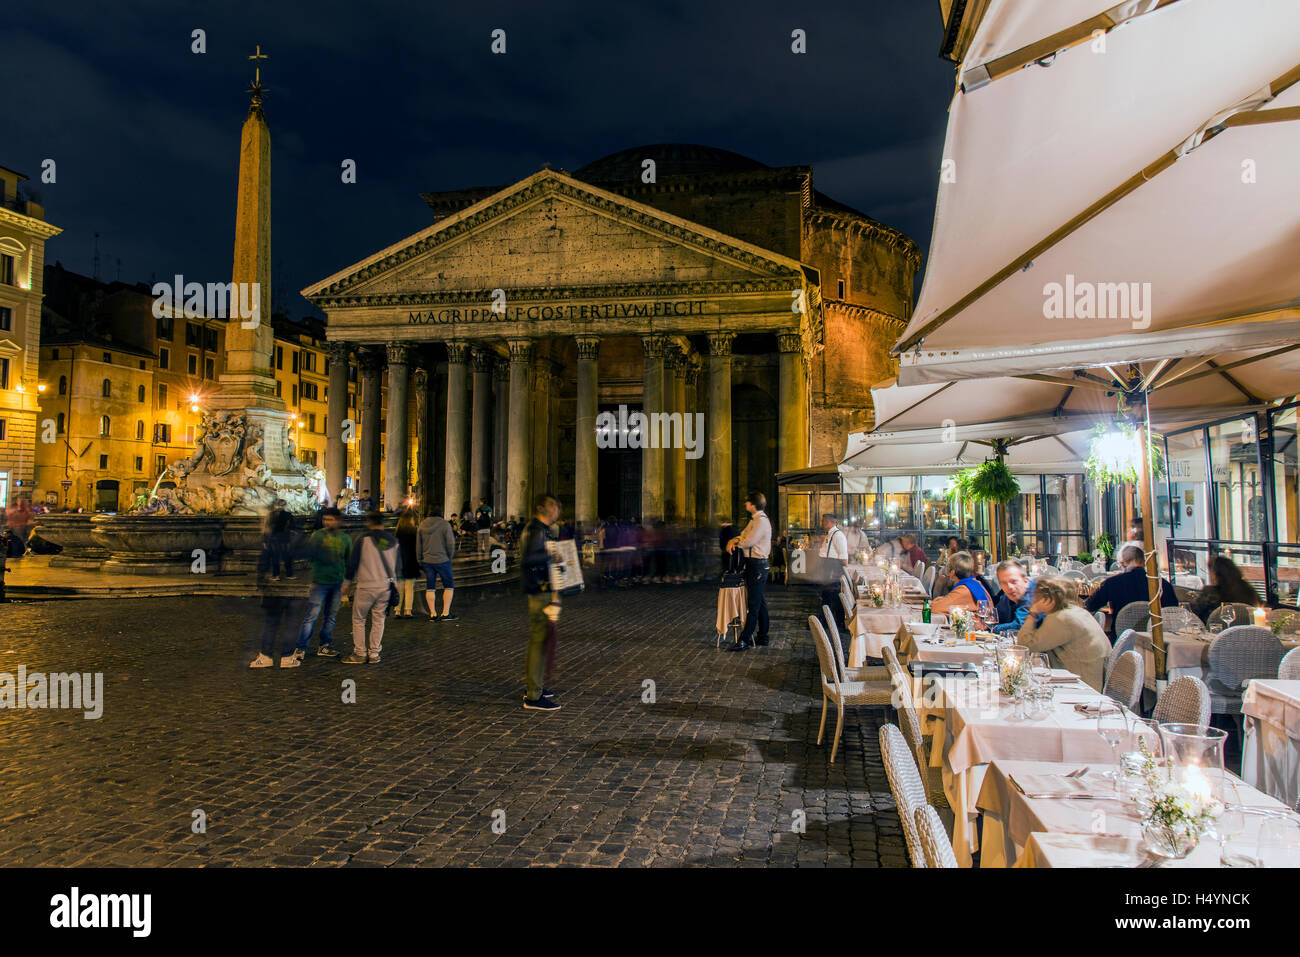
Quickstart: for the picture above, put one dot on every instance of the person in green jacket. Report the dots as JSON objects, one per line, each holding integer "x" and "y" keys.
{"x": 328, "y": 551}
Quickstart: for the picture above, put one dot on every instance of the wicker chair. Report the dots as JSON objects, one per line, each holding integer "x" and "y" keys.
{"x": 1289, "y": 669}
{"x": 927, "y": 579}
{"x": 905, "y": 783}
{"x": 1180, "y": 619}
{"x": 864, "y": 673}
{"x": 1237, "y": 655}
{"x": 844, "y": 693}
{"x": 1242, "y": 614}
{"x": 1186, "y": 700}
{"x": 1135, "y": 615}
{"x": 1124, "y": 683}
{"x": 935, "y": 843}
{"x": 931, "y": 777}
{"x": 1127, "y": 641}
{"x": 896, "y": 671}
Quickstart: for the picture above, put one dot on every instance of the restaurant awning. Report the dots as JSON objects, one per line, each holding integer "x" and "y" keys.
{"x": 1114, "y": 198}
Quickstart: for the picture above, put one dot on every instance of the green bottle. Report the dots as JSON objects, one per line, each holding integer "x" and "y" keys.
{"x": 925, "y": 611}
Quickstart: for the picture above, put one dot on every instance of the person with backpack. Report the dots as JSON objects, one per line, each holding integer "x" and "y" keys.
{"x": 483, "y": 526}
{"x": 373, "y": 569}
{"x": 329, "y": 550}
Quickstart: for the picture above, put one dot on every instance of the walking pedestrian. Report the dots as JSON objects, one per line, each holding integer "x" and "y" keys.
{"x": 543, "y": 605}
{"x": 755, "y": 542}
{"x": 407, "y": 528}
{"x": 279, "y": 535}
{"x": 373, "y": 569}
{"x": 328, "y": 550}
{"x": 279, "y": 602}
{"x": 436, "y": 545}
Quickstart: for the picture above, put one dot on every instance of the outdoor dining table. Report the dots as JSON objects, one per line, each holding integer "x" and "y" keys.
{"x": 1186, "y": 653}
{"x": 1098, "y": 830}
{"x": 974, "y": 725}
{"x": 732, "y": 605}
{"x": 1270, "y": 757}
{"x": 872, "y": 627}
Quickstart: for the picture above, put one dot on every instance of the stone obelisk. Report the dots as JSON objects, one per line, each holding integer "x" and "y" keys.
{"x": 248, "y": 384}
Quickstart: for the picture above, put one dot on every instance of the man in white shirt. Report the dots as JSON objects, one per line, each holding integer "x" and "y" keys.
{"x": 834, "y": 554}
{"x": 756, "y": 544}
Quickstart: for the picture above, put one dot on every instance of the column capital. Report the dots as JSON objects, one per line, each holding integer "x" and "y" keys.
{"x": 655, "y": 347}
{"x": 370, "y": 359}
{"x": 337, "y": 351}
{"x": 720, "y": 343}
{"x": 457, "y": 352}
{"x": 681, "y": 362}
{"x": 588, "y": 347}
{"x": 420, "y": 378}
{"x": 501, "y": 372}
{"x": 482, "y": 359}
{"x": 398, "y": 353}
{"x": 789, "y": 341}
{"x": 520, "y": 349}
{"x": 692, "y": 370}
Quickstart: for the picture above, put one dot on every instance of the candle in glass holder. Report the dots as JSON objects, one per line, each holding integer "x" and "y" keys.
{"x": 1261, "y": 617}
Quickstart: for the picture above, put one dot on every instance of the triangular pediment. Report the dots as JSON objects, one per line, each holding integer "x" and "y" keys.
{"x": 550, "y": 231}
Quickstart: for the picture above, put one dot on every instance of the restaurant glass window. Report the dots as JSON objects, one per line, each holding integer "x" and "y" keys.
{"x": 938, "y": 518}
{"x": 1238, "y": 484}
{"x": 1286, "y": 474}
{"x": 1187, "y": 493}
{"x": 1063, "y": 513}
{"x": 898, "y": 502}
{"x": 1024, "y": 522}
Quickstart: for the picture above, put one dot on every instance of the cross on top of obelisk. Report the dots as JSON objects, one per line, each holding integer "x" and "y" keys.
{"x": 256, "y": 88}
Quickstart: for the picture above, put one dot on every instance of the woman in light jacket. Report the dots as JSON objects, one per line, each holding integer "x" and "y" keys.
{"x": 1069, "y": 636}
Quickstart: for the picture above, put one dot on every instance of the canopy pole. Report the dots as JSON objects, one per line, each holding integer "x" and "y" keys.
{"x": 1149, "y": 539}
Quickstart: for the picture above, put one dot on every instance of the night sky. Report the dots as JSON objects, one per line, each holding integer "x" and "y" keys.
{"x": 145, "y": 133}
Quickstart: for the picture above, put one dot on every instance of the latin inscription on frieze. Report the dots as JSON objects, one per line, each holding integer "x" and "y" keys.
{"x": 561, "y": 311}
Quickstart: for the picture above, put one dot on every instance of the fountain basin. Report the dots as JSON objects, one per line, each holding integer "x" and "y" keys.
{"x": 158, "y": 544}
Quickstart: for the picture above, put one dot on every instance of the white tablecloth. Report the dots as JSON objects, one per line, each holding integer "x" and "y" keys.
{"x": 731, "y": 605}
{"x": 978, "y": 727}
{"x": 1021, "y": 831}
{"x": 1271, "y": 752}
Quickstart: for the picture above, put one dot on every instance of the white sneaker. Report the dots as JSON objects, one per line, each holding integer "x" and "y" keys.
{"x": 290, "y": 661}
{"x": 262, "y": 661}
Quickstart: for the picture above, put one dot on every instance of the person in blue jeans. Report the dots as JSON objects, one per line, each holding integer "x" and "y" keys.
{"x": 328, "y": 550}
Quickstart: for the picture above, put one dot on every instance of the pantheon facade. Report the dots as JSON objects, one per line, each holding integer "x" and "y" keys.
{"x": 663, "y": 279}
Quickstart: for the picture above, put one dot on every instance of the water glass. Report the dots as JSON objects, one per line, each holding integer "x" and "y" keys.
{"x": 1230, "y": 826}
{"x": 1112, "y": 725}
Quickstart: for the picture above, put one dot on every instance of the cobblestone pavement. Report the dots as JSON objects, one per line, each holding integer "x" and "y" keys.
{"x": 713, "y": 772}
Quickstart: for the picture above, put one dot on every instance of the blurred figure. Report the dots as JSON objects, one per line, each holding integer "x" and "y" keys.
{"x": 534, "y": 575}
{"x": 279, "y": 538}
{"x": 755, "y": 542}
{"x": 328, "y": 551}
{"x": 483, "y": 526}
{"x": 408, "y": 525}
{"x": 1227, "y": 585}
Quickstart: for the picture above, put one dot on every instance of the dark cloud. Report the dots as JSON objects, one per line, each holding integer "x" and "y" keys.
{"x": 146, "y": 133}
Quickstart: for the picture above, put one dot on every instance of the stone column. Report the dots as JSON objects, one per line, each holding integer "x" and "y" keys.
{"x": 519, "y": 445}
{"x": 420, "y": 386}
{"x": 395, "y": 438}
{"x": 689, "y": 408}
{"x": 586, "y": 470}
{"x": 371, "y": 411}
{"x": 480, "y": 436}
{"x": 500, "y": 434}
{"x": 336, "y": 446}
{"x": 457, "y": 460}
{"x": 718, "y": 427}
{"x": 652, "y": 459}
{"x": 793, "y": 415}
{"x": 675, "y": 456}
{"x": 541, "y": 435}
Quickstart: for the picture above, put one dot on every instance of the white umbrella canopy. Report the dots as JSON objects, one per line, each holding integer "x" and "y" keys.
{"x": 1128, "y": 205}
{"x": 1050, "y": 454}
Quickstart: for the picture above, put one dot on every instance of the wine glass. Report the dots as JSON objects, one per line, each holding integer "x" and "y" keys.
{"x": 986, "y": 612}
{"x": 1230, "y": 825}
{"x": 1279, "y": 841}
{"x": 1228, "y": 615}
{"x": 1040, "y": 669}
{"x": 1112, "y": 725}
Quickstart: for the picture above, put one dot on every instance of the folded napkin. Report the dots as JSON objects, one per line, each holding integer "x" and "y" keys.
{"x": 1092, "y": 709}
{"x": 1030, "y": 783}
{"x": 1062, "y": 680}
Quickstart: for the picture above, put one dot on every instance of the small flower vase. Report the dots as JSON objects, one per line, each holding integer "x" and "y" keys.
{"x": 959, "y": 623}
{"x": 1171, "y": 843}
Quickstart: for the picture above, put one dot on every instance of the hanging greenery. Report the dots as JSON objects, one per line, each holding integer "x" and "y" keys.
{"x": 992, "y": 482}
{"x": 1114, "y": 456}
{"x": 959, "y": 492}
